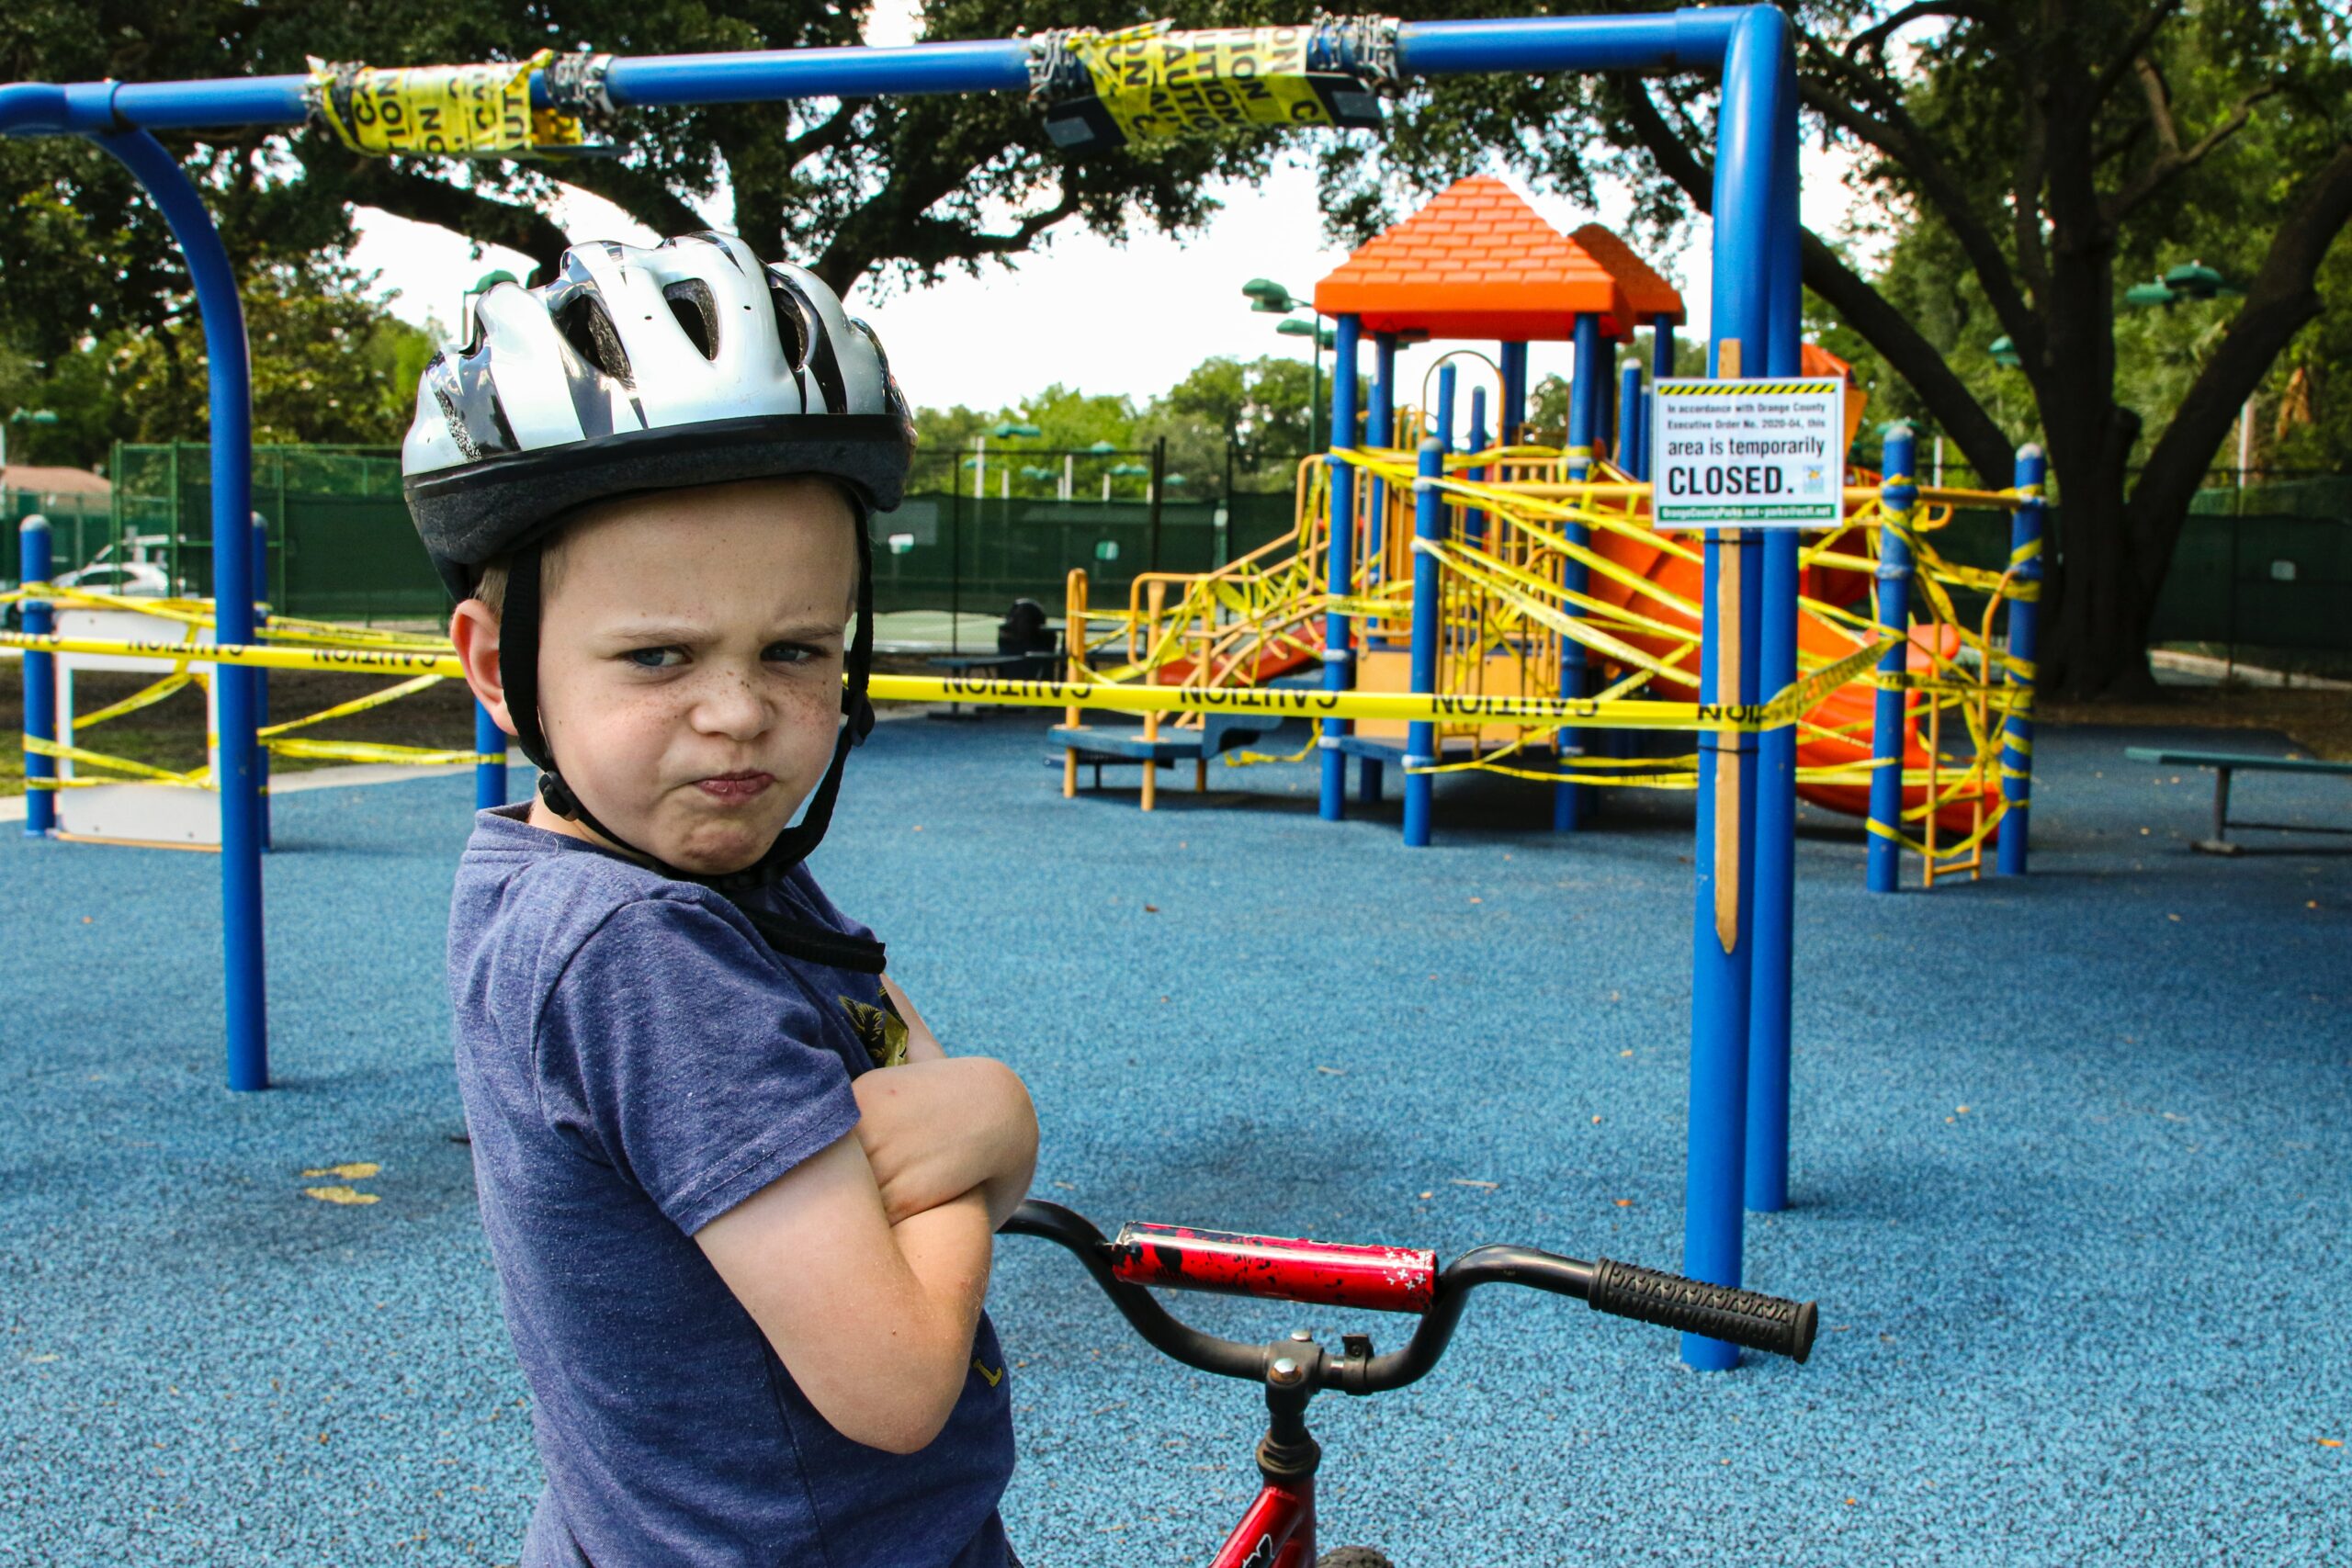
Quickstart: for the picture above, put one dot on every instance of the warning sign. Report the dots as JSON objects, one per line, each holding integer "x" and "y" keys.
{"x": 1750, "y": 454}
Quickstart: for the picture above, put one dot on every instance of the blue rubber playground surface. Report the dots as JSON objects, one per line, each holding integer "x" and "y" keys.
{"x": 2068, "y": 1175}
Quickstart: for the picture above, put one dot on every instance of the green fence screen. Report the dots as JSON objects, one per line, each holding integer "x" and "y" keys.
{"x": 2263, "y": 566}
{"x": 2266, "y": 565}
{"x": 342, "y": 548}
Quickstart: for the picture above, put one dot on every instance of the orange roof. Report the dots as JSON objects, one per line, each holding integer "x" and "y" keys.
{"x": 1650, "y": 295}
{"x": 1476, "y": 263}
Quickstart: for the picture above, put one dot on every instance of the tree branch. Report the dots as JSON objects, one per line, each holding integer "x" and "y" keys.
{"x": 1904, "y": 143}
{"x": 1859, "y": 305}
{"x": 644, "y": 196}
{"x": 1874, "y": 37}
{"x": 2172, "y": 159}
{"x": 824, "y": 136}
{"x": 1910, "y": 355}
{"x": 372, "y": 182}
{"x": 2281, "y": 298}
{"x": 2136, "y": 45}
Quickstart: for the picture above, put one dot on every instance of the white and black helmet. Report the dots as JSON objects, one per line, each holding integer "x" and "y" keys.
{"x": 690, "y": 363}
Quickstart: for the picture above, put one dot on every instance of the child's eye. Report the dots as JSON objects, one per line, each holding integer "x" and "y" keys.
{"x": 791, "y": 653}
{"x": 655, "y": 657}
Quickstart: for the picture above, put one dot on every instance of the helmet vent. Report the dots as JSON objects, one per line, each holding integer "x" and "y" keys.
{"x": 791, "y": 327}
{"x": 697, "y": 314}
{"x": 587, "y": 326}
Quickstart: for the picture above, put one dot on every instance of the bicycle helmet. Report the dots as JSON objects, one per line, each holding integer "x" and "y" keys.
{"x": 689, "y": 363}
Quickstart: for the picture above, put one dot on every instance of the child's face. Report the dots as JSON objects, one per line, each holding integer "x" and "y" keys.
{"x": 690, "y": 663}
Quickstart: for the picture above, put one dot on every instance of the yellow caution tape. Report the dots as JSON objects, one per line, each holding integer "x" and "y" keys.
{"x": 358, "y": 705}
{"x": 374, "y": 752}
{"x": 196, "y": 778}
{"x": 463, "y": 111}
{"x": 1148, "y": 83}
{"x": 146, "y": 697}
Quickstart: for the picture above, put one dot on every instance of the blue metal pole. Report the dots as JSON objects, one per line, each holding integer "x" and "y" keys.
{"x": 261, "y": 677}
{"x": 1569, "y": 801}
{"x": 1629, "y": 419}
{"x": 489, "y": 774}
{"x": 1772, "y": 974}
{"x": 245, "y": 997}
{"x": 39, "y": 671}
{"x": 1421, "y": 739}
{"x": 1661, "y": 368}
{"x": 1338, "y": 563}
{"x": 1513, "y": 413}
{"x": 1680, "y": 39}
{"x": 1474, "y": 523}
{"x": 1890, "y": 726}
{"x": 2025, "y": 614}
{"x": 1381, "y": 432}
{"x": 1753, "y": 103}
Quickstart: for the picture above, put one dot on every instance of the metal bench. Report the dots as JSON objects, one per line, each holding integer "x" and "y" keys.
{"x": 2223, "y": 764}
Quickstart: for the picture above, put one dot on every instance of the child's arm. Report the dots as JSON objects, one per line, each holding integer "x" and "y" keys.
{"x": 874, "y": 1322}
{"x": 923, "y": 1045}
{"x": 936, "y": 1129}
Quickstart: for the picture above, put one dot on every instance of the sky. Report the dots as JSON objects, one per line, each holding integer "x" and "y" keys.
{"x": 1101, "y": 318}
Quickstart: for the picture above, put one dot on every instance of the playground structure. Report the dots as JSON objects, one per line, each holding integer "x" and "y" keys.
{"x": 1747, "y": 695}
{"x": 80, "y": 793}
{"x": 1540, "y": 572}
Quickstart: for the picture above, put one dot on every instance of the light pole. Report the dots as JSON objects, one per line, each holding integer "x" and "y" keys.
{"x": 2195, "y": 280}
{"x": 22, "y": 416}
{"x": 1270, "y": 298}
{"x": 1013, "y": 429}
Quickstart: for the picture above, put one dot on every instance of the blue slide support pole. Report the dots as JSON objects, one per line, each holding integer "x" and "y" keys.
{"x": 1474, "y": 523}
{"x": 1771, "y": 1008}
{"x": 1570, "y": 800}
{"x": 261, "y": 677}
{"x": 230, "y": 406}
{"x": 1421, "y": 739}
{"x": 1513, "y": 413}
{"x": 1757, "y": 94}
{"x": 39, "y": 671}
{"x": 489, "y": 773}
{"x": 1629, "y": 419}
{"x": 1890, "y": 725}
{"x": 1381, "y": 429}
{"x": 1337, "y": 661}
{"x": 2025, "y": 615}
{"x": 1661, "y": 368}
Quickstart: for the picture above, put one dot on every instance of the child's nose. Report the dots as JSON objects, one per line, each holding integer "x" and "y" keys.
{"x": 731, "y": 705}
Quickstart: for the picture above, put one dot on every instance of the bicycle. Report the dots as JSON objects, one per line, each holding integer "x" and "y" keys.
{"x": 1278, "y": 1528}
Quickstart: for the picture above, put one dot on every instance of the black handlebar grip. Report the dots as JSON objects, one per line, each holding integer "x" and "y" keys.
{"x": 1719, "y": 1312}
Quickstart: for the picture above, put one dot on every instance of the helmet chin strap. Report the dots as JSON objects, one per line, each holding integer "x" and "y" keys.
{"x": 518, "y": 657}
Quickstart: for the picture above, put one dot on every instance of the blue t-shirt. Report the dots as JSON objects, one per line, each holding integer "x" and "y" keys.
{"x": 635, "y": 1060}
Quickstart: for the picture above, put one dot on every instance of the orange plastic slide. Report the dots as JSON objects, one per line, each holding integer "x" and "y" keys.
{"x": 1848, "y": 709}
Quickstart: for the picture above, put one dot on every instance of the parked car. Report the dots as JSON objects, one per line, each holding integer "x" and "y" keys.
{"x": 128, "y": 580}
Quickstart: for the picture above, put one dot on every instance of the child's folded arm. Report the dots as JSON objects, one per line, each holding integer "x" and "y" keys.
{"x": 874, "y": 1322}
{"x": 923, "y": 1045}
{"x": 936, "y": 1129}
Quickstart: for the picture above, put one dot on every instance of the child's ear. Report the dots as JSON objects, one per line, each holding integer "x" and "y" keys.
{"x": 473, "y": 628}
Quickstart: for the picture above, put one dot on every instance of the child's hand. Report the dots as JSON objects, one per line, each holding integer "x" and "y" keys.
{"x": 936, "y": 1130}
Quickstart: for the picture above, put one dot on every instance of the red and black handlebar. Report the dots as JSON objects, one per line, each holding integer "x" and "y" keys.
{"x": 1384, "y": 1279}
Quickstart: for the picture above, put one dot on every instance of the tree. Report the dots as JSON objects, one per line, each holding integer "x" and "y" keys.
{"x": 1258, "y": 407}
{"x": 2044, "y": 157}
{"x": 909, "y": 187}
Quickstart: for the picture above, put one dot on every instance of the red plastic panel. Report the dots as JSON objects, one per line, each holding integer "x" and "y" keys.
{"x": 1381, "y": 1279}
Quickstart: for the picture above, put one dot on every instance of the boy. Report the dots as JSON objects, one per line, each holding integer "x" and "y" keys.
{"x": 742, "y": 1265}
